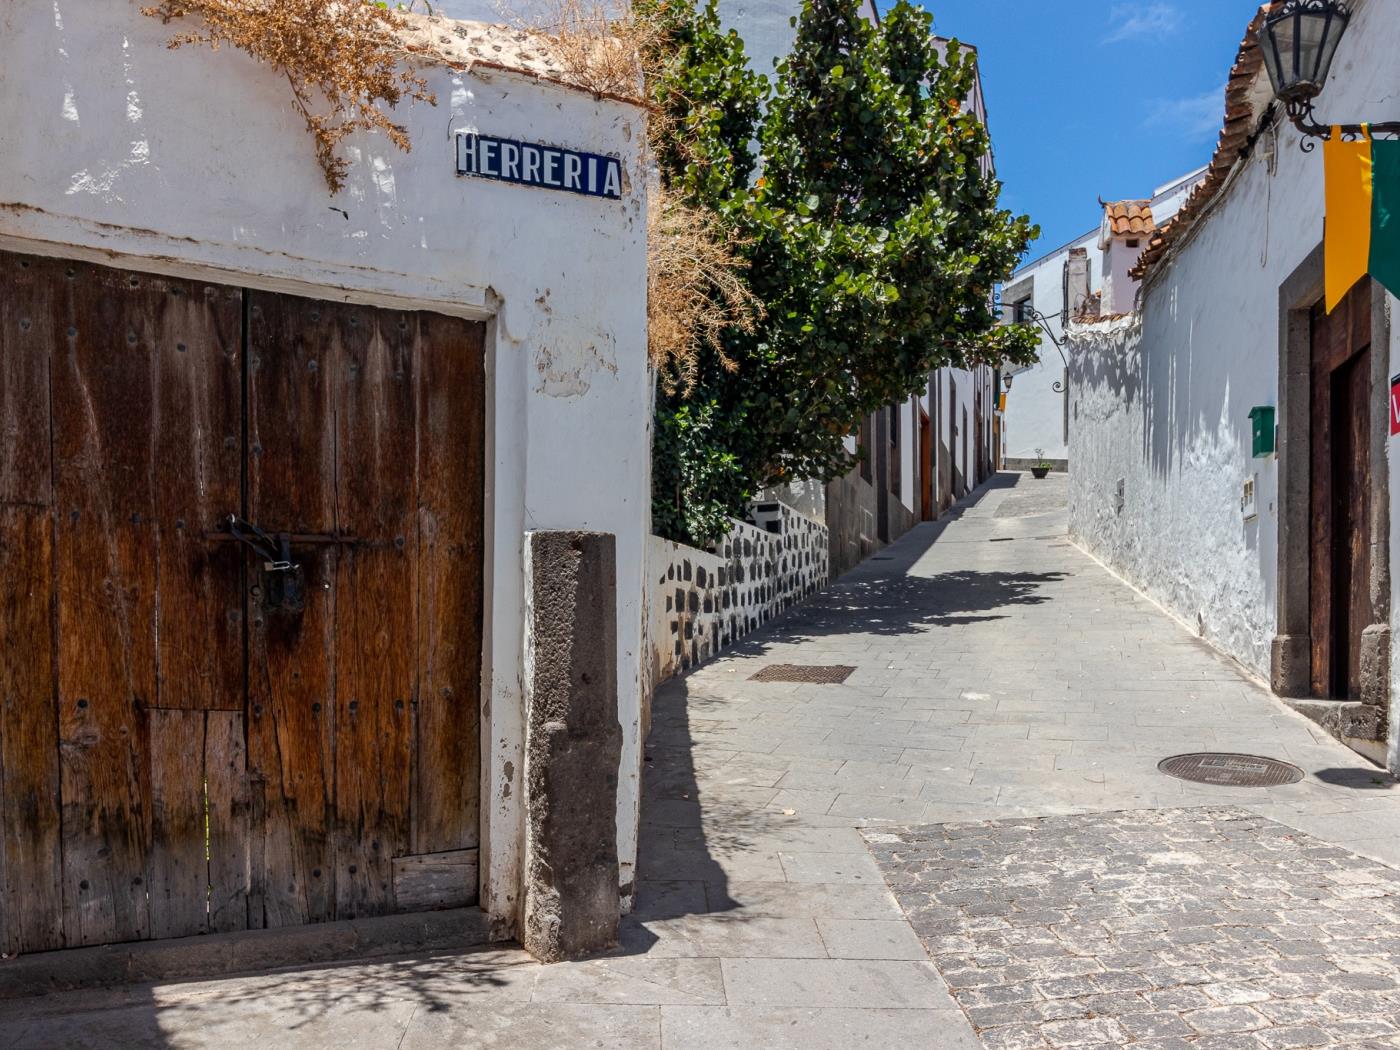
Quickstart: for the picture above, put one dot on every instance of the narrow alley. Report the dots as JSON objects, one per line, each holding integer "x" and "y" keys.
{"x": 967, "y": 842}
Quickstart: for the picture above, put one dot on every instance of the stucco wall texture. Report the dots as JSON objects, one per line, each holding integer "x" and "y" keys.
{"x": 1161, "y": 402}
{"x": 1180, "y": 535}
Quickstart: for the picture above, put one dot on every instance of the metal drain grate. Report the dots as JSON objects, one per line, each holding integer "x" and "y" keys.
{"x": 1227, "y": 770}
{"x": 808, "y": 674}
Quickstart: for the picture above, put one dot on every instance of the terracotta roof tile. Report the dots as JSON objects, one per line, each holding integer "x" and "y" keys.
{"x": 1236, "y": 137}
{"x": 1131, "y": 218}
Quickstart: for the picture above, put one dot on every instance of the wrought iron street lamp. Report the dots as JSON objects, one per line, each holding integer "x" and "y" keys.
{"x": 1299, "y": 40}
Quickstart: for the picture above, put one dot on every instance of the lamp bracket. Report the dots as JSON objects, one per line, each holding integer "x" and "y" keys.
{"x": 1044, "y": 322}
{"x": 1300, "y": 112}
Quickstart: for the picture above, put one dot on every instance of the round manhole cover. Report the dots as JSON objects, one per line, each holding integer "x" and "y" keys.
{"x": 1231, "y": 770}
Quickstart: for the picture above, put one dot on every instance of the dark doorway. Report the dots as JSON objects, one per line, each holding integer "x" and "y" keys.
{"x": 1340, "y": 537}
{"x": 925, "y": 467}
{"x": 968, "y": 481}
{"x": 954, "y": 479}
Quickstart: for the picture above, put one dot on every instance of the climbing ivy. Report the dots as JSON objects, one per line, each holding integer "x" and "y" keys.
{"x": 873, "y": 238}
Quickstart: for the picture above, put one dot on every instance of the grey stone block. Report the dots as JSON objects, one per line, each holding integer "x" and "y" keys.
{"x": 573, "y": 746}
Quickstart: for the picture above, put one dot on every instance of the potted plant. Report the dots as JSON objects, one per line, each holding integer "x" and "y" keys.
{"x": 1042, "y": 465}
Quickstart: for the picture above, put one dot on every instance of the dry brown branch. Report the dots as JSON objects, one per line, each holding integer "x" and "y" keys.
{"x": 347, "y": 51}
{"x": 695, "y": 291}
{"x": 695, "y": 284}
{"x": 598, "y": 43}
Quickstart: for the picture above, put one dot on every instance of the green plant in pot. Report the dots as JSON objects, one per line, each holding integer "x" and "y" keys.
{"x": 1042, "y": 465}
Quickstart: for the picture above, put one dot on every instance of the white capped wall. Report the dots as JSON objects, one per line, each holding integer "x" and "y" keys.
{"x": 195, "y": 163}
{"x": 765, "y": 28}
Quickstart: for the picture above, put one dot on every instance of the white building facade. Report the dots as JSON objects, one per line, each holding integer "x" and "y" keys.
{"x": 190, "y": 169}
{"x": 1075, "y": 277}
{"x": 1208, "y": 427}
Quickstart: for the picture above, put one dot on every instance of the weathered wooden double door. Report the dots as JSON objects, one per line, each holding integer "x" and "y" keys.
{"x": 1342, "y": 419}
{"x": 240, "y": 607}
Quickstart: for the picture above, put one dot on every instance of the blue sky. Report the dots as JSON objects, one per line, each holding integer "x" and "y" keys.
{"x": 1091, "y": 98}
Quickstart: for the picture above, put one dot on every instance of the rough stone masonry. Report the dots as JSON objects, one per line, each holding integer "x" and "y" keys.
{"x": 1159, "y": 930}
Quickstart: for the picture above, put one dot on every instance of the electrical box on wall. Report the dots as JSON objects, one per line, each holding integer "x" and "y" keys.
{"x": 1262, "y": 416}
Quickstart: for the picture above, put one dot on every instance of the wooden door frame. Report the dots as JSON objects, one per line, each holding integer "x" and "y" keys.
{"x": 501, "y": 760}
{"x": 1291, "y": 671}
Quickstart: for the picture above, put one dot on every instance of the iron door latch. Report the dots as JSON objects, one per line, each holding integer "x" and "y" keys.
{"x": 285, "y": 588}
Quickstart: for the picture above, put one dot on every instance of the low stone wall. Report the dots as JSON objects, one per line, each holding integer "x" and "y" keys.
{"x": 699, "y": 602}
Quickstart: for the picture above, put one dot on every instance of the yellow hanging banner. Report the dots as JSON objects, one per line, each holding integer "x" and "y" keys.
{"x": 1348, "y": 169}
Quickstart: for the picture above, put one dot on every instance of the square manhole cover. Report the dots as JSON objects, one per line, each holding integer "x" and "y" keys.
{"x": 808, "y": 674}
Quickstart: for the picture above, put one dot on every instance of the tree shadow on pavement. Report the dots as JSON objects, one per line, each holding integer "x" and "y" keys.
{"x": 358, "y": 996}
{"x": 891, "y": 606}
{"x": 693, "y": 836}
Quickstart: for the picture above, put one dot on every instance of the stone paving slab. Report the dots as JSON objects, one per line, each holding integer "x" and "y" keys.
{"x": 1208, "y": 927}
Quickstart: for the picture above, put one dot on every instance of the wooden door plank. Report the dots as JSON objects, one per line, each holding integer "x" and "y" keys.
{"x": 179, "y": 864}
{"x": 29, "y": 816}
{"x": 1320, "y": 507}
{"x": 103, "y": 387}
{"x": 1358, "y": 608}
{"x": 28, "y": 324}
{"x": 199, "y": 825}
{"x": 31, "y": 912}
{"x": 291, "y": 669}
{"x": 451, "y": 495}
{"x": 226, "y": 795}
{"x": 436, "y": 880}
{"x": 376, "y": 626}
{"x": 198, "y": 464}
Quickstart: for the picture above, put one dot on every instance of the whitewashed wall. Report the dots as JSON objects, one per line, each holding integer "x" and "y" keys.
{"x": 908, "y": 454}
{"x": 192, "y": 162}
{"x": 1165, "y": 408}
{"x": 971, "y": 384}
{"x": 1180, "y": 535}
{"x": 1035, "y": 411}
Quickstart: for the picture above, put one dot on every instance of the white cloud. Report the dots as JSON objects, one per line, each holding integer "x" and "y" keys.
{"x": 1195, "y": 118}
{"x": 1134, "y": 21}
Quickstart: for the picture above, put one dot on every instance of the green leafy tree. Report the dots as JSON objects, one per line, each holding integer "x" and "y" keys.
{"x": 874, "y": 240}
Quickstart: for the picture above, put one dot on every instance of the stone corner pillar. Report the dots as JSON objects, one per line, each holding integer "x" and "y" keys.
{"x": 573, "y": 745}
{"x": 1291, "y": 665}
{"x": 1375, "y": 669}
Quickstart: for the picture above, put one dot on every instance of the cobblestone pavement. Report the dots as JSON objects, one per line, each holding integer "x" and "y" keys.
{"x": 1163, "y": 930}
{"x": 1000, "y": 674}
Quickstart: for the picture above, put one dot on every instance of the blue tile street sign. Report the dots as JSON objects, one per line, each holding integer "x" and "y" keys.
{"x": 529, "y": 164}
